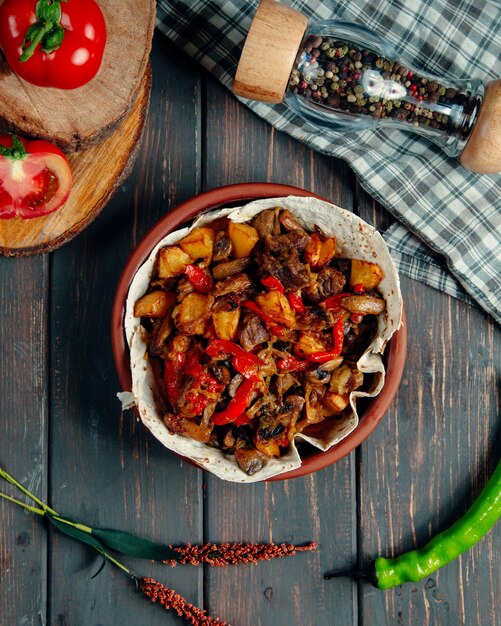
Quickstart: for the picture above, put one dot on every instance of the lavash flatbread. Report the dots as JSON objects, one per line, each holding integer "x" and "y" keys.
{"x": 355, "y": 239}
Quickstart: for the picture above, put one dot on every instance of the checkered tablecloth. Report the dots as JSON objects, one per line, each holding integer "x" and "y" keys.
{"x": 448, "y": 233}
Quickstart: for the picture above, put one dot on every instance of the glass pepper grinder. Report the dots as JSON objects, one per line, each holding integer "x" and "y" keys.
{"x": 344, "y": 77}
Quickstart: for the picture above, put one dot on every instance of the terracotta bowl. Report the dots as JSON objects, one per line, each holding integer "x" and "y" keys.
{"x": 236, "y": 195}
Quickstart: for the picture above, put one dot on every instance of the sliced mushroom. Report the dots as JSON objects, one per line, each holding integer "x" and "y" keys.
{"x": 366, "y": 305}
{"x": 222, "y": 247}
{"x": 264, "y": 222}
{"x": 290, "y": 222}
{"x": 230, "y": 268}
{"x": 250, "y": 460}
{"x": 160, "y": 333}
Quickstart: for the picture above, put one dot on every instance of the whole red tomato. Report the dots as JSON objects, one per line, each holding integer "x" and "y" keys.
{"x": 53, "y": 43}
{"x": 35, "y": 178}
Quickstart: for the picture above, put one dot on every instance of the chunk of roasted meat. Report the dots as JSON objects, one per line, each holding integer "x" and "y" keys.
{"x": 328, "y": 282}
{"x": 279, "y": 257}
{"x": 252, "y": 332}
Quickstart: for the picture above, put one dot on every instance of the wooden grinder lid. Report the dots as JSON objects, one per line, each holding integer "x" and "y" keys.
{"x": 269, "y": 52}
{"x": 482, "y": 153}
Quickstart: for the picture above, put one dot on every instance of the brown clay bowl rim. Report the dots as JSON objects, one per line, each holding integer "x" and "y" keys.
{"x": 396, "y": 350}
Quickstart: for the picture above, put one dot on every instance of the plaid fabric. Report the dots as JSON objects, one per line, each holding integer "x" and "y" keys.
{"x": 456, "y": 213}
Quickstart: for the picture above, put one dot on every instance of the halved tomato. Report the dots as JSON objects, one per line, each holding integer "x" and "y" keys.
{"x": 35, "y": 178}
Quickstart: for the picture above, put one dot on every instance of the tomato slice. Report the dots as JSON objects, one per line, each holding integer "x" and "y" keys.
{"x": 35, "y": 185}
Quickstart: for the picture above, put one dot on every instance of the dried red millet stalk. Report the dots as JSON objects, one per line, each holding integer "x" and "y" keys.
{"x": 169, "y": 599}
{"x": 232, "y": 553}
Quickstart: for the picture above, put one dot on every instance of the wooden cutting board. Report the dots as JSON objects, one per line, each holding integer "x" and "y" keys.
{"x": 78, "y": 118}
{"x": 97, "y": 174}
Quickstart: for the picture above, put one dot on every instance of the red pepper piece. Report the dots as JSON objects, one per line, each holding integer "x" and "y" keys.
{"x": 359, "y": 288}
{"x": 267, "y": 319}
{"x": 338, "y": 336}
{"x": 244, "y": 362}
{"x": 296, "y": 302}
{"x": 172, "y": 382}
{"x": 220, "y": 347}
{"x": 196, "y": 399}
{"x": 199, "y": 279}
{"x": 290, "y": 364}
{"x": 356, "y": 318}
{"x": 242, "y": 420}
{"x": 322, "y": 357}
{"x": 237, "y": 405}
{"x": 192, "y": 365}
{"x": 334, "y": 302}
{"x": 273, "y": 283}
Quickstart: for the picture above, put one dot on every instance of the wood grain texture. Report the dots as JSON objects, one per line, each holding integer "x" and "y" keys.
{"x": 97, "y": 174}
{"x": 318, "y": 507}
{"x": 78, "y": 118}
{"x": 106, "y": 468}
{"x": 23, "y": 439}
{"x": 430, "y": 457}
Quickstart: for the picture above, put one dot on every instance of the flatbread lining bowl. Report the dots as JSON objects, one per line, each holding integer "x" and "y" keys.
{"x": 355, "y": 240}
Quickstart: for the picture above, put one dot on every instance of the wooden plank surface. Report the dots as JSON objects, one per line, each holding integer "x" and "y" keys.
{"x": 430, "y": 457}
{"x": 417, "y": 473}
{"x": 23, "y": 438}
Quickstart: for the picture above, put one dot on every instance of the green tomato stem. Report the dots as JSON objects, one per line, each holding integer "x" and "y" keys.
{"x": 415, "y": 565}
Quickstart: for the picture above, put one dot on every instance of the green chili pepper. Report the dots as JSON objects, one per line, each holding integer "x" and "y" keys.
{"x": 444, "y": 547}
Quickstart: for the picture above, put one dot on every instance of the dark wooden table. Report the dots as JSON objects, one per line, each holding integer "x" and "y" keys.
{"x": 64, "y": 437}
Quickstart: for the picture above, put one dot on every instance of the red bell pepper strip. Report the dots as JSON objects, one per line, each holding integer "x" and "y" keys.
{"x": 358, "y": 288}
{"x": 237, "y": 405}
{"x": 322, "y": 357}
{"x": 244, "y": 362}
{"x": 242, "y": 420}
{"x": 273, "y": 283}
{"x": 199, "y": 279}
{"x": 338, "y": 336}
{"x": 290, "y": 364}
{"x": 172, "y": 383}
{"x": 267, "y": 319}
{"x": 296, "y": 302}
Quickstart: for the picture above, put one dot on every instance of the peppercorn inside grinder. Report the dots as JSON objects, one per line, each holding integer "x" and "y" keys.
{"x": 344, "y": 77}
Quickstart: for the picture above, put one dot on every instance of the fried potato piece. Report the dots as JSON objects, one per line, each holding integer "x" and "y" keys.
{"x": 190, "y": 316}
{"x": 345, "y": 379}
{"x": 364, "y": 273}
{"x": 172, "y": 261}
{"x": 319, "y": 252}
{"x": 243, "y": 238}
{"x": 155, "y": 304}
{"x": 308, "y": 343}
{"x": 226, "y": 323}
{"x": 199, "y": 244}
{"x": 277, "y": 306}
{"x": 335, "y": 403}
